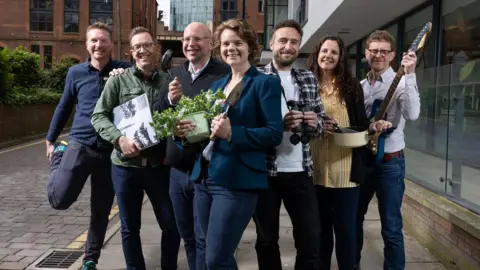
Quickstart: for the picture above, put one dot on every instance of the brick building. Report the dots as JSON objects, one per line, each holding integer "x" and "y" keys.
{"x": 227, "y": 9}
{"x": 55, "y": 29}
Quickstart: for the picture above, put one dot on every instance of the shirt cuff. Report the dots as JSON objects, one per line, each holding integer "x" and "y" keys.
{"x": 411, "y": 79}
{"x": 170, "y": 101}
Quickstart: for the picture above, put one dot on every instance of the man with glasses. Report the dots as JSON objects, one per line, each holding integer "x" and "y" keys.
{"x": 138, "y": 172}
{"x": 197, "y": 74}
{"x": 387, "y": 179}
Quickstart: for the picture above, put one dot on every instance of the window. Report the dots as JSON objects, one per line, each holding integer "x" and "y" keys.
{"x": 275, "y": 12}
{"x": 301, "y": 11}
{"x": 47, "y": 56}
{"x": 101, "y": 11}
{"x": 41, "y": 15}
{"x": 260, "y": 6}
{"x": 35, "y": 49}
{"x": 70, "y": 16}
{"x": 229, "y": 10}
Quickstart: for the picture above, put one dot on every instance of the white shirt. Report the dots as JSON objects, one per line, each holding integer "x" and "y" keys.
{"x": 193, "y": 73}
{"x": 289, "y": 156}
{"x": 404, "y": 105}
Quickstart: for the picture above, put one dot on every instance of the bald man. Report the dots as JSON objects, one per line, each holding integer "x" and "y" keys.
{"x": 197, "y": 74}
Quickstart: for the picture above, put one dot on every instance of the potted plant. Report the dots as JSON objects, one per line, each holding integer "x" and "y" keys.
{"x": 200, "y": 110}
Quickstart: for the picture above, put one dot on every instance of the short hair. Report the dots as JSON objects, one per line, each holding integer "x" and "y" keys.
{"x": 244, "y": 30}
{"x": 100, "y": 26}
{"x": 290, "y": 24}
{"x": 137, "y": 30}
{"x": 381, "y": 35}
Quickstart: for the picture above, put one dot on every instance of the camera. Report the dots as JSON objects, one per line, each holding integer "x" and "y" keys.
{"x": 302, "y": 132}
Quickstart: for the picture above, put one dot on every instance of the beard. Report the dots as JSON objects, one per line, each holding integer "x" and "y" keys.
{"x": 283, "y": 62}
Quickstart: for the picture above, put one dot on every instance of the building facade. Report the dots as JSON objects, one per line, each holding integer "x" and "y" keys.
{"x": 56, "y": 28}
{"x": 183, "y": 12}
{"x": 250, "y": 10}
{"x": 442, "y": 198}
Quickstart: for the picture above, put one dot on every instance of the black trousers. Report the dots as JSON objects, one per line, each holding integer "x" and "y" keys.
{"x": 298, "y": 194}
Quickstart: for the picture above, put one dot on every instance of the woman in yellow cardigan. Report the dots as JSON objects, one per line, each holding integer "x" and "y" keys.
{"x": 338, "y": 171}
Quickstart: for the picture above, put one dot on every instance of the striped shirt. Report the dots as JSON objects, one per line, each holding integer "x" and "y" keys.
{"x": 332, "y": 164}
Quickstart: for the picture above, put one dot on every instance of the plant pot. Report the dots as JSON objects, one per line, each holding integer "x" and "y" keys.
{"x": 202, "y": 129}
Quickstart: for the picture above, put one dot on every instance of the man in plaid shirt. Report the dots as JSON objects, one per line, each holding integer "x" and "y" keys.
{"x": 290, "y": 167}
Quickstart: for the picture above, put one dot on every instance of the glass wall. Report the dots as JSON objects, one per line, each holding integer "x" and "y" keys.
{"x": 442, "y": 144}
{"x": 183, "y": 12}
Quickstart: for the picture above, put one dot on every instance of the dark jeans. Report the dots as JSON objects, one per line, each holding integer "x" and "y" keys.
{"x": 387, "y": 181}
{"x": 298, "y": 195}
{"x": 130, "y": 185}
{"x": 338, "y": 212}
{"x": 69, "y": 172}
{"x": 221, "y": 217}
{"x": 181, "y": 193}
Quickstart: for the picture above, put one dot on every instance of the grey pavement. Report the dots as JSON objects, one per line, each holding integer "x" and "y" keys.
{"x": 418, "y": 258}
{"x": 28, "y": 225}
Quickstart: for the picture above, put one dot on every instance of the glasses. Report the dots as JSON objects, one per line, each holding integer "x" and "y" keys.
{"x": 382, "y": 52}
{"x": 146, "y": 46}
{"x": 193, "y": 39}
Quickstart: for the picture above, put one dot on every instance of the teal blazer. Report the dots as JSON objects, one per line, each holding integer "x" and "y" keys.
{"x": 257, "y": 129}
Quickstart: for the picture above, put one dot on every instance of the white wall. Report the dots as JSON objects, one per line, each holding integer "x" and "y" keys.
{"x": 318, "y": 12}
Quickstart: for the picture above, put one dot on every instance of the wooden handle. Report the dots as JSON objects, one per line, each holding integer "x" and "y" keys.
{"x": 213, "y": 137}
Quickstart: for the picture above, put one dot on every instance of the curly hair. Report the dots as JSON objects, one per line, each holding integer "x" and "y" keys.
{"x": 344, "y": 80}
{"x": 244, "y": 30}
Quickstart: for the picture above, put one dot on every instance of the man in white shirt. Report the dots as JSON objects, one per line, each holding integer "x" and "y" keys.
{"x": 387, "y": 178}
{"x": 290, "y": 166}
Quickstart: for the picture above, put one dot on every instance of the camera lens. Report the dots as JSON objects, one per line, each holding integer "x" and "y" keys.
{"x": 305, "y": 139}
{"x": 294, "y": 139}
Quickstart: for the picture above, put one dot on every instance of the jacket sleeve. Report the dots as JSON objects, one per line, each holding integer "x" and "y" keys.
{"x": 163, "y": 102}
{"x": 101, "y": 117}
{"x": 320, "y": 110}
{"x": 262, "y": 138}
{"x": 361, "y": 113}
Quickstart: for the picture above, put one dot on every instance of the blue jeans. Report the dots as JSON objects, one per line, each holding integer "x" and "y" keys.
{"x": 338, "y": 211}
{"x": 69, "y": 171}
{"x": 130, "y": 185}
{"x": 181, "y": 193}
{"x": 387, "y": 181}
{"x": 221, "y": 217}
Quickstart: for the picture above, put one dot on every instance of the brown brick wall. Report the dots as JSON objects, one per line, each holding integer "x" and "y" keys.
{"x": 15, "y": 27}
{"x": 13, "y": 120}
{"x": 456, "y": 248}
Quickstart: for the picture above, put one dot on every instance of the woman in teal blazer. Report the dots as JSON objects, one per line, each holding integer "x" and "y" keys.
{"x": 226, "y": 193}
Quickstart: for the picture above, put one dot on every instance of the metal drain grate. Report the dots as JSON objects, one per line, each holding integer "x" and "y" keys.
{"x": 60, "y": 259}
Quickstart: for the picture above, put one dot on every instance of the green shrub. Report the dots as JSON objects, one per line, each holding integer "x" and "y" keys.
{"x": 35, "y": 96}
{"x": 25, "y": 67}
{"x": 54, "y": 78}
{"x": 5, "y": 73}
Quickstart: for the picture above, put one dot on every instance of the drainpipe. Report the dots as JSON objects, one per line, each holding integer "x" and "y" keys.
{"x": 119, "y": 45}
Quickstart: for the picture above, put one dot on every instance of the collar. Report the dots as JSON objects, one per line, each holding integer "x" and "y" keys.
{"x": 270, "y": 69}
{"x": 108, "y": 66}
{"x": 141, "y": 75}
{"x": 190, "y": 68}
{"x": 387, "y": 74}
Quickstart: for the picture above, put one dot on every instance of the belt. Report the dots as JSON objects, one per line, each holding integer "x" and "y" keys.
{"x": 387, "y": 157}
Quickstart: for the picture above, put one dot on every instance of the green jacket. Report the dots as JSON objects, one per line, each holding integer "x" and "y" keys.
{"x": 118, "y": 90}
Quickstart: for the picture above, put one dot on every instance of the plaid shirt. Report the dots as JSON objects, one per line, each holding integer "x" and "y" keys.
{"x": 308, "y": 84}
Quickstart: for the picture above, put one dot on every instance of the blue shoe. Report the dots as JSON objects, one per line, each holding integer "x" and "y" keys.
{"x": 89, "y": 265}
{"x": 60, "y": 147}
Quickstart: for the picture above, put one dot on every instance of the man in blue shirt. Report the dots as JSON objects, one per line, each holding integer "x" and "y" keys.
{"x": 86, "y": 154}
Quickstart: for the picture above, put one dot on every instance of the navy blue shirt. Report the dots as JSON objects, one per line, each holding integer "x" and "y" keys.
{"x": 83, "y": 86}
